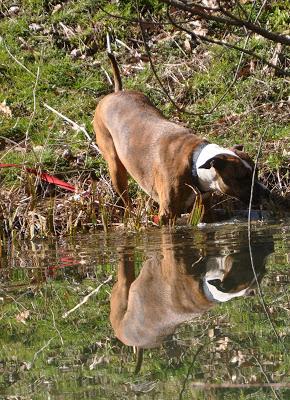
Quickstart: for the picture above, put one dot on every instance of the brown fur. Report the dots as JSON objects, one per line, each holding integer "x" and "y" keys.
{"x": 136, "y": 139}
{"x": 168, "y": 290}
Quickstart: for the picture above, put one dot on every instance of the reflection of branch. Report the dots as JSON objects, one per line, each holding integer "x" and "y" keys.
{"x": 189, "y": 371}
{"x": 232, "y": 20}
{"x": 264, "y": 305}
{"x": 271, "y": 385}
{"x": 231, "y": 46}
{"x": 86, "y": 298}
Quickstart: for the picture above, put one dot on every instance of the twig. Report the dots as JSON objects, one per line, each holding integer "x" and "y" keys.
{"x": 56, "y": 328}
{"x": 240, "y": 60}
{"x": 271, "y": 385}
{"x": 34, "y": 109}
{"x": 74, "y": 125}
{"x": 124, "y": 45}
{"x": 201, "y": 347}
{"x": 267, "y": 378}
{"x": 107, "y": 75}
{"x": 14, "y": 58}
{"x": 86, "y": 298}
{"x": 229, "y": 385}
{"x": 133, "y": 20}
{"x": 41, "y": 350}
{"x": 179, "y": 109}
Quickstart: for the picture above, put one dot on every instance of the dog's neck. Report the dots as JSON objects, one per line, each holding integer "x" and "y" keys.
{"x": 195, "y": 156}
{"x": 207, "y": 178}
{"x": 212, "y": 293}
{"x": 216, "y": 272}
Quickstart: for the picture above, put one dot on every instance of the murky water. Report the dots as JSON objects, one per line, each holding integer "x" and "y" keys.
{"x": 208, "y": 326}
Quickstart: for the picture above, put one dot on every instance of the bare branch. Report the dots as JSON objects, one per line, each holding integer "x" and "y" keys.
{"x": 74, "y": 125}
{"x": 229, "y": 45}
{"x": 199, "y": 10}
{"x": 179, "y": 109}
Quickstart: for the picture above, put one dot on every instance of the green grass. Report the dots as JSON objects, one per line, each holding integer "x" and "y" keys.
{"x": 37, "y": 66}
{"x": 74, "y": 86}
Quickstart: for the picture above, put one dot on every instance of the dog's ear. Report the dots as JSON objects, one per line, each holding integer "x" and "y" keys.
{"x": 239, "y": 147}
{"x": 218, "y": 162}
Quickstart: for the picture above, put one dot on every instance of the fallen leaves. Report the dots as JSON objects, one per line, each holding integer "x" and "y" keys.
{"x": 23, "y": 316}
{"x": 4, "y": 109}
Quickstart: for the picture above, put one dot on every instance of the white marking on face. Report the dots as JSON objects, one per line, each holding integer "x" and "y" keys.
{"x": 216, "y": 270}
{"x": 207, "y": 178}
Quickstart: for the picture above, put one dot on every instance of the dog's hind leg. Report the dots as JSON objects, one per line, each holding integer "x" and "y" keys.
{"x": 119, "y": 178}
{"x": 118, "y": 172}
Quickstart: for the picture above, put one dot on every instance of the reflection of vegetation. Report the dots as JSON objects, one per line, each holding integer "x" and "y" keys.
{"x": 42, "y": 352}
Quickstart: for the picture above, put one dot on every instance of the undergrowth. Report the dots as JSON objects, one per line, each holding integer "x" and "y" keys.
{"x": 55, "y": 53}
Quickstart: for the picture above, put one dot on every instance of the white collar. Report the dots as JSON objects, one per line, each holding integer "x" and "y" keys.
{"x": 210, "y": 151}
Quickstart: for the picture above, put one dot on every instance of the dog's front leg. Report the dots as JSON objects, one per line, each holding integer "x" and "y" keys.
{"x": 167, "y": 206}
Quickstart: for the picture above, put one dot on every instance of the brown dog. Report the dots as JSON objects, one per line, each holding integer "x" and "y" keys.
{"x": 166, "y": 159}
{"x": 179, "y": 285}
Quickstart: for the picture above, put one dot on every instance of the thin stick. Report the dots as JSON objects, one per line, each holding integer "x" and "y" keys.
{"x": 86, "y": 298}
{"x": 74, "y": 124}
{"x": 56, "y": 328}
{"x": 265, "y": 307}
{"x": 34, "y": 109}
{"x": 14, "y": 58}
{"x": 226, "y": 44}
{"x": 201, "y": 347}
{"x": 146, "y": 47}
{"x": 267, "y": 378}
{"x": 109, "y": 50}
{"x": 107, "y": 75}
{"x": 229, "y": 385}
{"x": 41, "y": 350}
{"x": 232, "y": 20}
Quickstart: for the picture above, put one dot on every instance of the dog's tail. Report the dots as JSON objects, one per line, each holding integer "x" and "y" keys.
{"x": 116, "y": 71}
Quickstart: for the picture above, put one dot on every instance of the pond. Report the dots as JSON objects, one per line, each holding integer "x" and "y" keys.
{"x": 183, "y": 313}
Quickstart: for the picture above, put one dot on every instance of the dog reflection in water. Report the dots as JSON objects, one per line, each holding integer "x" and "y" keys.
{"x": 178, "y": 285}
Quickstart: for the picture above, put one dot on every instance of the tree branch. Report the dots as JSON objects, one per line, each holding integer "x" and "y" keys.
{"x": 231, "y": 46}
{"x": 232, "y": 20}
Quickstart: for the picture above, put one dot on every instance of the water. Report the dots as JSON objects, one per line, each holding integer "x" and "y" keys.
{"x": 188, "y": 297}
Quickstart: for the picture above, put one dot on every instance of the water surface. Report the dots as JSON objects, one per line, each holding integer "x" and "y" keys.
{"x": 188, "y": 296}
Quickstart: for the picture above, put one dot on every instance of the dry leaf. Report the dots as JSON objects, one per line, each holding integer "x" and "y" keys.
{"x": 5, "y": 109}
{"x": 13, "y": 10}
{"x": 56, "y": 8}
{"x": 22, "y": 317}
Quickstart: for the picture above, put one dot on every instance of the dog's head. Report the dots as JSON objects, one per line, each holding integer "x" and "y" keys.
{"x": 234, "y": 176}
